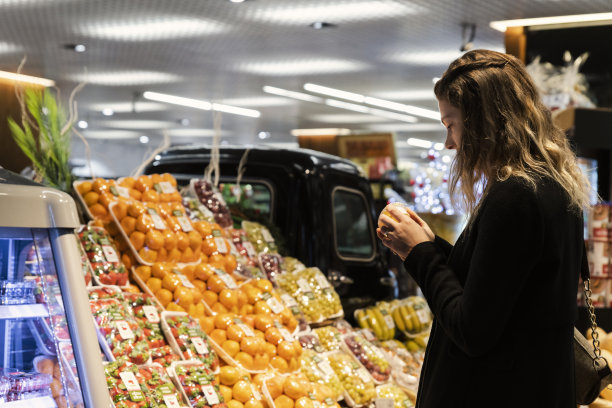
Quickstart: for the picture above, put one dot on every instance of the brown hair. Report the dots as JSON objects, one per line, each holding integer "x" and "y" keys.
{"x": 507, "y": 131}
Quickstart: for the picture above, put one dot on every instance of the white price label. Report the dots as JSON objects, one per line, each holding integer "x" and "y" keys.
{"x": 266, "y": 235}
{"x": 185, "y": 281}
{"x": 123, "y": 191}
{"x": 233, "y": 249}
{"x": 383, "y": 403}
{"x": 157, "y": 220}
{"x": 171, "y": 401}
{"x": 110, "y": 254}
{"x": 286, "y": 335}
{"x": 325, "y": 368}
{"x": 288, "y": 300}
{"x": 184, "y": 223}
{"x": 250, "y": 249}
{"x": 363, "y": 375}
{"x": 205, "y": 211}
{"x": 323, "y": 283}
{"x": 221, "y": 245}
{"x": 228, "y": 280}
{"x": 299, "y": 267}
{"x": 129, "y": 380}
{"x": 275, "y": 305}
{"x": 423, "y": 316}
{"x": 166, "y": 187}
{"x": 303, "y": 285}
{"x": 199, "y": 345}
{"x": 209, "y": 393}
{"x": 124, "y": 330}
{"x": 368, "y": 335}
{"x": 246, "y": 329}
{"x": 151, "y": 313}
{"x": 389, "y": 322}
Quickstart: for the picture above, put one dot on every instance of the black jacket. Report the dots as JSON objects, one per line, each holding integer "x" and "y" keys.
{"x": 504, "y": 301}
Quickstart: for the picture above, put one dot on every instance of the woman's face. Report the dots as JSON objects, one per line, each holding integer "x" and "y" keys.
{"x": 453, "y": 122}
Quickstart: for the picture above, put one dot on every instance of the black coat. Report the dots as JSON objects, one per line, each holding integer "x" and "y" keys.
{"x": 504, "y": 301}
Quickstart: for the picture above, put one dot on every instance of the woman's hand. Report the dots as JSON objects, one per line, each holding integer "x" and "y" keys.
{"x": 404, "y": 234}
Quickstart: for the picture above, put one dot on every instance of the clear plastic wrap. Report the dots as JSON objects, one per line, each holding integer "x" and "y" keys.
{"x": 212, "y": 199}
{"x": 395, "y": 393}
{"x": 329, "y": 337}
{"x": 198, "y": 384}
{"x": 103, "y": 257}
{"x": 370, "y": 356}
{"x": 317, "y": 369}
{"x": 260, "y": 237}
{"x": 357, "y": 383}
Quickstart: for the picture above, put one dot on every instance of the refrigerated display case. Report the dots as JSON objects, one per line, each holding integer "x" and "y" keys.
{"x": 49, "y": 352}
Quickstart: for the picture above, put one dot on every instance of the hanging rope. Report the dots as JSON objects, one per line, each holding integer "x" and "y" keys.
{"x": 213, "y": 165}
{"x": 241, "y": 170}
{"x": 164, "y": 145}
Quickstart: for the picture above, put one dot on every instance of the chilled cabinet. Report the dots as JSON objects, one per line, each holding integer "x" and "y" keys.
{"x": 49, "y": 354}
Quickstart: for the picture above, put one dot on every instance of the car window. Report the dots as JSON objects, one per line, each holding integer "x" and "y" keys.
{"x": 352, "y": 225}
{"x": 255, "y": 197}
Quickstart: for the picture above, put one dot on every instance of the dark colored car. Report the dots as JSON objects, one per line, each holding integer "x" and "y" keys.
{"x": 320, "y": 205}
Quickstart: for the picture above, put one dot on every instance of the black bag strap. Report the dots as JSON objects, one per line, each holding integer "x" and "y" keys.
{"x": 584, "y": 272}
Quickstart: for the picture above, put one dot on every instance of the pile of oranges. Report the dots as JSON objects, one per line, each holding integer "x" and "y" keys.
{"x": 295, "y": 391}
{"x": 239, "y": 390}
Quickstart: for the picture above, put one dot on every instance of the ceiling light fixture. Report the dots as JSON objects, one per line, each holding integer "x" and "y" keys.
{"x": 425, "y": 144}
{"x": 82, "y": 124}
{"x": 80, "y": 48}
{"x": 355, "y": 97}
{"x": 319, "y": 25}
{"x": 152, "y": 29}
{"x": 199, "y": 104}
{"x": 292, "y": 94}
{"x": 236, "y": 1}
{"x": 347, "y": 105}
{"x": 502, "y": 25}
{"x": 108, "y": 112}
{"x": 321, "y": 132}
{"x": 263, "y": 135}
{"x": 143, "y": 139}
{"x": 27, "y": 79}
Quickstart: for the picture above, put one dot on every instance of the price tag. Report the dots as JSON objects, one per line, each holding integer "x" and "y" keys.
{"x": 221, "y": 245}
{"x": 383, "y": 402}
{"x": 246, "y": 329}
{"x": 389, "y": 322}
{"x": 274, "y": 304}
{"x": 157, "y": 220}
{"x": 171, "y": 401}
{"x": 266, "y": 235}
{"x": 304, "y": 286}
{"x": 363, "y": 375}
{"x": 184, "y": 280}
{"x": 423, "y": 316}
{"x": 199, "y": 345}
{"x": 124, "y": 330}
{"x": 166, "y": 187}
{"x": 233, "y": 249}
{"x": 368, "y": 335}
{"x": 110, "y": 254}
{"x": 325, "y": 368}
{"x": 228, "y": 280}
{"x": 123, "y": 191}
{"x": 250, "y": 249}
{"x": 209, "y": 393}
{"x": 205, "y": 211}
{"x": 129, "y": 380}
{"x": 184, "y": 223}
{"x": 323, "y": 283}
{"x": 288, "y": 300}
{"x": 151, "y": 313}
{"x": 284, "y": 332}
{"x": 329, "y": 401}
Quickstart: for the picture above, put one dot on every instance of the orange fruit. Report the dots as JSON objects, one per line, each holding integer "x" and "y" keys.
{"x": 99, "y": 185}
{"x": 120, "y": 209}
{"x": 106, "y": 199}
{"x": 187, "y": 255}
{"x": 135, "y": 194}
{"x": 231, "y": 347}
{"x": 253, "y": 403}
{"x": 195, "y": 239}
{"x": 203, "y": 228}
{"x": 253, "y": 294}
{"x": 280, "y": 364}
{"x": 283, "y": 401}
{"x": 217, "y": 260}
{"x": 242, "y": 391}
{"x": 162, "y": 255}
{"x": 293, "y": 388}
{"x": 127, "y": 260}
{"x": 244, "y": 359}
{"x": 98, "y": 211}
{"x": 223, "y": 321}
{"x": 269, "y": 349}
{"x": 154, "y": 239}
{"x": 229, "y": 375}
{"x": 261, "y": 361}
{"x": 200, "y": 286}
{"x": 262, "y": 307}
{"x": 263, "y": 322}
{"x": 218, "y": 336}
{"x": 202, "y": 271}
{"x": 209, "y": 246}
{"x": 209, "y": 297}
{"x": 128, "y": 224}
{"x": 226, "y": 392}
{"x": 91, "y": 198}
{"x": 228, "y": 298}
{"x": 303, "y": 402}
{"x": 170, "y": 240}
{"x": 150, "y": 196}
{"x": 275, "y": 386}
{"x": 285, "y": 350}
{"x": 250, "y": 345}
{"x": 230, "y": 263}
{"x": 245, "y": 310}
{"x": 171, "y": 282}
{"x": 144, "y": 272}
{"x": 274, "y": 336}
{"x": 207, "y": 323}
{"x": 235, "y": 332}
{"x": 84, "y": 187}
{"x": 154, "y": 284}
{"x": 219, "y": 308}
{"x": 215, "y": 284}
{"x": 183, "y": 296}
{"x": 143, "y": 183}
{"x": 182, "y": 240}
{"x": 169, "y": 178}
{"x": 135, "y": 209}
{"x": 137, "y": 240}
{"x": 174, "y": 255}
{"x": 164, "y": 296}
{"x": 264, "y": 285}
{"x": 249, "y": 320}
{"x": 159, "y": 269}
{"x": 148, "y": 255}
{"x": 127, "y": 182}
{"x": 144, "y": 223}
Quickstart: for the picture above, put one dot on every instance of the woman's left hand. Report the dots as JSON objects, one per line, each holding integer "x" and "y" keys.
{"x": 402, "y": 235}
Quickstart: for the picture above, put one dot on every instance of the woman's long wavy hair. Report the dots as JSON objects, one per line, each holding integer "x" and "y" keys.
{"x": 507, "y": 130}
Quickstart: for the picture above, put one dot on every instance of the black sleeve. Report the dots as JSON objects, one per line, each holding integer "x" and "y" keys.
{"x": 444, "y": 245}
{"x": 508, "y": 243}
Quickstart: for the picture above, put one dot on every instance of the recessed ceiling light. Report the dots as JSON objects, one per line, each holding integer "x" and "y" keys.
{"x": 320, "y": 132}
{"x": 236, "y": 1}
{"x": 27, "y": 79}
{"x": 292, "y": 94}
{"x": 125, "y": 78}
{"x": 80, "y": 48}
{"x": 263, "y": 135}
{"x": 425, "y": 144}
{"x": 82, "y": 124}
{"x": 200, "y": 104}
{"x": 154, "y": 29}
{"x": 301, "y": 67}
{"x": 143, "y": 139}
{"x": 108, "y": 112}
{"x": 542, "y": 21}
{"x": 184, "y": 122}
{"x": 319, "y": 25}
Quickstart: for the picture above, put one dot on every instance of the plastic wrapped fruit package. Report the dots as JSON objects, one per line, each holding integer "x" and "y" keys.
{"x": 293, "y": 264}
{"x": 242, "y": 244}
{"x": 415, "y": 310}
{"x": 310, "y": 341}
{"x": 120, "y": 331}
{"x": 262, "y": 298}
{"x": 105, "y": 292}
{"x": 16, "y": 385}
{"x": 356, "y": 381}
{"x": 212, "y": 199}
{"x": 195, "y": 210}
{"x": 405, "y": 366}
{"x": 103, "y": 256}
{"x": 271, "y": 265}
{"x": 379, "y": 319}
{"x": 370, "y": 356}
{"x": 260, "y": 237}
{"x": 188, "y": 339}
{"x": 216, "y": 248}
{"x": 198, "y": 384}
{"x": 96, "y": 196}
{"x": 155, "y": 188}
{"x": 238, "y": 389}
{"x": 295, "y": 390}
{"x": 158, "y": 386}
{"x": 392, "y": 391}
{"x": 317, "y": 369}
{"x": 330, "y": 337}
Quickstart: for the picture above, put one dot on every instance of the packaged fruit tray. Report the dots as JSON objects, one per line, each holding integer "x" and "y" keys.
{"x": 398, "y": 395}
{"x": 358, "y": 384}
{"x": 260, "y": 237}
{"x": 105, "y": 292}
{"x": 96, "y": 195}
{"x": 213, "y": 200}
{"x": 197, "y": 384}
{"x": 295, "y": 390}
{"x": 188, "y": 340}
{"x": 102, "y": 256}
{"x": 316, "y": 368}
{"x": 369, "y": 356}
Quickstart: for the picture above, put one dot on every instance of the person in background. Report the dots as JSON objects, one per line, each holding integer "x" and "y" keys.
{"x": 504, "y": 296}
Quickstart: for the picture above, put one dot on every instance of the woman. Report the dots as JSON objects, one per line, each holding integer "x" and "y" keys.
{"x": 504, "y": 297}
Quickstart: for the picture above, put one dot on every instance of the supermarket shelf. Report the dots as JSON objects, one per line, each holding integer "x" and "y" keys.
{"x": 42, "y": 402}
{"x": 23, "y": 311}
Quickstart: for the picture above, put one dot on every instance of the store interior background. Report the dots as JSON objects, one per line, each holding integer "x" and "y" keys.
{"x": 227, "y": 52}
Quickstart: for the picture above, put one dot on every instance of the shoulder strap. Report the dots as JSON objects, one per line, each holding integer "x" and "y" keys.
{"x": 584, "y": 272}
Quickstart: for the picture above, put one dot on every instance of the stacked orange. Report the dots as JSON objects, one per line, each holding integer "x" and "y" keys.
{"x": 262, "y": 298}
{"x": 255, "y": 342}
{"x": 149, "y": 188}
{"x": 215, "y": 246}
{"x": 97, "y": 195}
{"x": 295, "y": 391}
{"x": 171, "y": 289}
{"x": 239, "y": 390}
{"x": 209, "y": 279}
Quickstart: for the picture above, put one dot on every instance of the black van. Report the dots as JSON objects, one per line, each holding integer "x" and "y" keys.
{"x": 320, "y": 204}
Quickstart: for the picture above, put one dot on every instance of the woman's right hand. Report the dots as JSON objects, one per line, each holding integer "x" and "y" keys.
{"x": 402, "y": 230}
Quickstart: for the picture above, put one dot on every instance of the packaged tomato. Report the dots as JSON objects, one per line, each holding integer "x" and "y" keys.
{"x": 198, "y": 384}
{"x": 160, "y": 390}
{"x": 103, "y": 256}
{"x": 126, "y": 385}
{"x": 164, "y": 355}
{"x": 188, "y": 339}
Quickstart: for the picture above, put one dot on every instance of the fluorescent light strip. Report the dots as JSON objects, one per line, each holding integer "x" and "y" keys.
{"x": 320, "y": 132}
{"x": 529, "y": 22}
{"x": 425, "y": 144}
{"x": 27, "y": 79}
{"x": 292, "y": 94}
{"x": 199, "y": 104}
{"x": 354, "y": 97}
{"x": 346, "y": 105}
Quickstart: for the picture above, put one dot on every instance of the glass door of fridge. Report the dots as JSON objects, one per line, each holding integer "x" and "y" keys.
{"x": 36, "y": 352}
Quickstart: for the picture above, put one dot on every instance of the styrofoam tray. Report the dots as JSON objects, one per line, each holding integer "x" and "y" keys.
{"x": 94, "y": 277}
{"x": 348, "y": 351}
